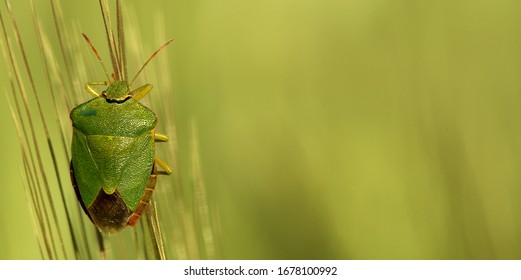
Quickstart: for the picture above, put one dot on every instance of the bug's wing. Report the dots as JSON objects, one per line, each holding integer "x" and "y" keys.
{"x": 136, "y": 172}
{"x": 77, "y": 192}
{"x": 86, "y": 172}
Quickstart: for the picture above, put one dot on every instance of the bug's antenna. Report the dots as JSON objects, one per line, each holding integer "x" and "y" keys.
{"x": 97, "y": 55}
{"x": 152, "y": 56}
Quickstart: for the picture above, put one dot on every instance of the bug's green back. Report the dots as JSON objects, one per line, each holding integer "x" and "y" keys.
{"x": 99, "y": 117}
{"x": 112, "y": 148}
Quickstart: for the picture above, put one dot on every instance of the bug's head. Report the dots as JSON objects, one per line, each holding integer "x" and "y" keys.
{"x": 117, "y": 91}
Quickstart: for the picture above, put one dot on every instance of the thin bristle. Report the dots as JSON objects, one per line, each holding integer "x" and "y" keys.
{"x": 31, "y": 206}
{"x": 154, "y": 228}
{"x": 105, "y": 12}
{"x": 57, "y": 17}
{"x": 151, "y": 57}
{"x": 29, "y": 186}
{"x": 46, "y": 130}
{"x": 121, "y": 41}
{"x": 202, "y": 209}
{"x": 51, "y": 146}
{"x": 51, "y": 248}
{"x": 97, "y": 55}
{"x": 21, "y": 131}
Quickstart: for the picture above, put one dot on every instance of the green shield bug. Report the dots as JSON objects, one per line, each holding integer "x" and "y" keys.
{"x": 114, "y": 168}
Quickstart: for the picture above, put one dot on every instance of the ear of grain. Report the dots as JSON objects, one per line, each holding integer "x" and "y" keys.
{"x": 173, "y": 227}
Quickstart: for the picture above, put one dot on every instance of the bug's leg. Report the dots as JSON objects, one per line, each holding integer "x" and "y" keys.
{"x": 141, "y": 91}
{"x": 90, "y": 89}
{"x": 160, "y": 137}
{"x": 166, "y": 169}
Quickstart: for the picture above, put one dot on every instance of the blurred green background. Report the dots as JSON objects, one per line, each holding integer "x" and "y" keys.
{"x": 349, "y": 129}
